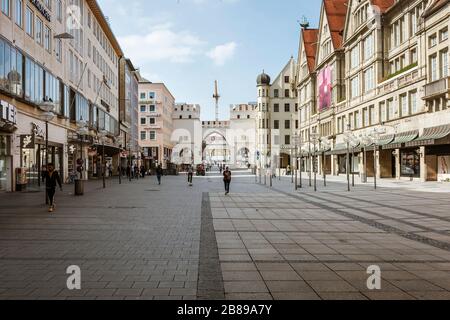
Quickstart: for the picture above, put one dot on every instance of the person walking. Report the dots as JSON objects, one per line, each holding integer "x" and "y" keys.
{"x": 159, "y": 173}
{"x": 227, "y": 180}
{"x": 190, "y": 175}
{"x": 52, "y": 178}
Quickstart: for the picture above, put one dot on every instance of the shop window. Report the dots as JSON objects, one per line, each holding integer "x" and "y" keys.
{"x": 410, "y": 163}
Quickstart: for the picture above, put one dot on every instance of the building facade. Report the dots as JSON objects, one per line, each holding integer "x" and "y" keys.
{"x": 65, "y": 63}
{"x": 277, "y": 102}
{"x": 187, "y": 135}
{"x": 156, "y": 107}
{"x": 381, "y": 92}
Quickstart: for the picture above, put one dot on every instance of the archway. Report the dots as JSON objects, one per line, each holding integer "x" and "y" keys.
{"x": 216, "y": 148}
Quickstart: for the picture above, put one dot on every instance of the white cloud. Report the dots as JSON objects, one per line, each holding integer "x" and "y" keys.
{"x": 162, "y": 43}
{"x": 222, "y": 53}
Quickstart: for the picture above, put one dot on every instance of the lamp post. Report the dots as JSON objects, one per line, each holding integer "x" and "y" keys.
{"x": 48, "y": 107}
{"x": 349, "y": 138}
{"x": 296, "y": 144}
{"x": 120, "y": 142}
{"x": 324, "y": 145}
{"x": 375, "y": 136}
{"x": 315, "y": 137}
{"x": 102, "y": 135}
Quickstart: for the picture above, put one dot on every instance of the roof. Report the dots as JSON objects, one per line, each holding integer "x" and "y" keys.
{"x": 384, "y": 5}
{"x": 310, "y": 39}
{"x": 95, "y": 8}
{"x": 436, "y": 5}
{"x": 336, "y": 11}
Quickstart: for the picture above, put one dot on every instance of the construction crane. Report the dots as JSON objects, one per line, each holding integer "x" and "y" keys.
{"x": 216, "y": 97}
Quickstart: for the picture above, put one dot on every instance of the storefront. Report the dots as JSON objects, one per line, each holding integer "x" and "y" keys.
{"x": 8, "y": 122}
{"x": 32, "y": 152}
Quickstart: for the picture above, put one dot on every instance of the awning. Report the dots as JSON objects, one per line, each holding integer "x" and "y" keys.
{"x": 402, "y": 138}
{"x": 430, "y": 135}
{"x": 385, "y": 140}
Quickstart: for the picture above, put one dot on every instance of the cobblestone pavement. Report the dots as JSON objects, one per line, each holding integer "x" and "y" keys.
{"x": 135, "y": 240}
{"x": 307, "y": 245}
{"x": 143, "y": 241}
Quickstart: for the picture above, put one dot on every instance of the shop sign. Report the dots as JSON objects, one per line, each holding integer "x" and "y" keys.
{"x": 27, "y": 141}
{"x": 41, "y": 8}
{"x": 8, "y": 112}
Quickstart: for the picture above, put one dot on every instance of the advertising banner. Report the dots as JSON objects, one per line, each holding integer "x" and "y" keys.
{"x": 324, "y": 88}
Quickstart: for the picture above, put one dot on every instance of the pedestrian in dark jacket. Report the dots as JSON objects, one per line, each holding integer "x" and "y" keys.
{"x": 159, "y": 173}
{"x": 52, "y": 179}
{"x": 227, "y": 180}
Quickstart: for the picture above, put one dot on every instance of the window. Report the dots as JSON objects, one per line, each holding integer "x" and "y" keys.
{"x": 39, "y": 30}
{"x": 6, "y": 9}
{"x": 444, "y": 63}
{"x": 413, "y": 55}
{"x": 152, "y": 108}
{"x": 413, "y": 102}
{"x": 443, "y": 35}
{"x": 276, "y": 107}
{"x": 355, "y": 87}
{"x": 287, "y": 93}
{"x": 287, "y": 139}
{"x": 358, "y": 120}
{"x": 59, "y": 10}
{"x": 413, "y": 22}
{"x": 383, "y": 113}
{"x": 433, "y": 68}
{"x": 276, "y": 93}
{"x": 391, "y": 110}
{"x": 354, "y": 57}
{"x": 152, "y": 135}
{"x": 151, "y": 95}
{"x": 143, "y": 135}
{"x": 143, "y": 95}
{"x": 29, "y": 21}
{"x": 404, "y": 105}
{"x": 152, "y": 121}
{"x": 432, "y": 41}
{"x": 47, "y": 39}
{"x": 287, "y": 107}
{"x": 373, "y": 115}
{"x": 143, "y": 108}
{"x": 287, "y": 124}
{"x": 18, "y": 12}
{"x": 369, "y": 81}
{"x": 286, "y": 79}
{"x": 366, "y": 117}
{"x": 11, "y": 69}
{"x": 369, "y": 47}
{"x": 143, "y": 121}
{"x": 276, "y": 124}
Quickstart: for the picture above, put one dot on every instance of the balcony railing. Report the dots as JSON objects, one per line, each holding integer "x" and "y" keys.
{"x": 437, "y": 88}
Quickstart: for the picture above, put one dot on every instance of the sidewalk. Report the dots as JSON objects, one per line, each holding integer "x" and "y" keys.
{"x": 438, "y": 187}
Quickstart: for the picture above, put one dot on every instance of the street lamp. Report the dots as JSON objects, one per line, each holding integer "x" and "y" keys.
{"x": 119, "y": 140}
{"x": 102, "y": 135}
{"x": 315, "y": 137}
{"x": 324, "y": 146}
{"x": 82, "y": 130}
{"x": 375, "y": 136}
{"x": 48, "y": 107}
{"x": 350, "y": 139}
{"x": 296, "y": 143}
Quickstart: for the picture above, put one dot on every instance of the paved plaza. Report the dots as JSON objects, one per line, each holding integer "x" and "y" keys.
{"x": 140, "y": 240}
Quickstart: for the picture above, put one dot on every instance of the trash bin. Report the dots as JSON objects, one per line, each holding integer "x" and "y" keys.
{"x": 79, "y": 187}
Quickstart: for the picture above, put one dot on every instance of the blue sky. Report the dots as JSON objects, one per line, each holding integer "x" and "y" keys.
{"x": 187, "y": 44}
